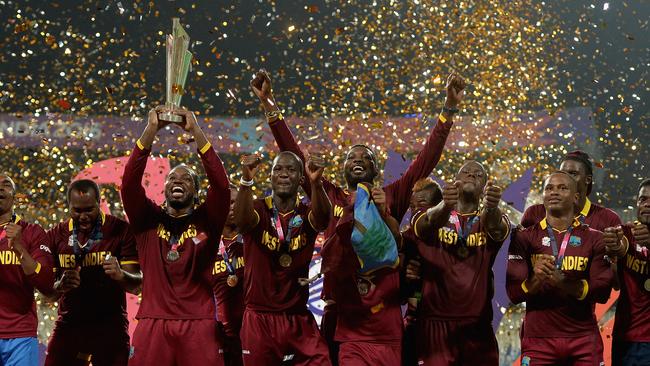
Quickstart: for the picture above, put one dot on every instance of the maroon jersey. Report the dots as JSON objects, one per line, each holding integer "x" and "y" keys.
{"x": 98, "y": 298}
{"x": 17, "y": 305}
{"x": 549, "y": 313}
{"x": 457, "y": 287}
{"x": 596, "y": 216}
{"x": 632, "y": 321}
{"x": 268, "y": 286}
{"x": 230, "y": 299}
{"x": 179, "y": 289}
{"x": 397, "y": 194}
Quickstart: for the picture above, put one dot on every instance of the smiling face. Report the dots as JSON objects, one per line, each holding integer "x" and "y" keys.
{"x": 473, "y": 177}
{"x": 560, "y": 194}
{"x": 643, "y": 205}
{"x": 286, "y": 175}
{"x": 7, "y": 194}
{"x": 180, "y": 188}
{"x": 84, "y": 209}
{"x": 359, "y": 166}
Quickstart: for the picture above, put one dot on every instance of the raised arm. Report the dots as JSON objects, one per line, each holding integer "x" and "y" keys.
{"x": 246, "y": 217}
{"x": 321, "y": 207}
{"x": 285, "y": 140}
{"x": 136, "y": 204}
{"x": 426, "y": 224}
{"x": 218, "y": 195}
{"x": 400, "y": 191}
{"x": 496, "y": 224}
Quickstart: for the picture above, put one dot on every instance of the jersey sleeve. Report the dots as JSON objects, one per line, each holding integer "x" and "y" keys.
{"x": 218, "y": 195}
{"x": 600, "y": 274}
{"x": 43, "y": 278}
{"x": 139, "y": 208}
{"x": 128, "y": 250}
{"x": 518, "y": 268}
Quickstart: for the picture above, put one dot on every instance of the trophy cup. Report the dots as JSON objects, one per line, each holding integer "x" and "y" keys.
{"x": 178, "y": 65}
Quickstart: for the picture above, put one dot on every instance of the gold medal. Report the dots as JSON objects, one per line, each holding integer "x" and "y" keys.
{"x": 232, "y": 280}
{"x": 285, "y": 260}
{"x": 462, "y": 251}
{"x": 646, "y": 285}
{"x": 363, "y": 287}
{"x": 173, "y": 256}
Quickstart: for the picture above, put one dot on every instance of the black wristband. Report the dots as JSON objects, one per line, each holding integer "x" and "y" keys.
{"x": 450, "y": 110}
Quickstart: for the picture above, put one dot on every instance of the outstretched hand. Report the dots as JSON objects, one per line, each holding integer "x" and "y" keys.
{"x": 250, "y": 165}
{"x": 261, "y": 85}
{"x": 455, "y": 90}
{"x": 492, "y": 195}
{"x": 315, "y": 167}
{"x": 450, "y": 194}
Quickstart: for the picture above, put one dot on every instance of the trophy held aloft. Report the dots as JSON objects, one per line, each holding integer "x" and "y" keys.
{"x": 179, "y": 60}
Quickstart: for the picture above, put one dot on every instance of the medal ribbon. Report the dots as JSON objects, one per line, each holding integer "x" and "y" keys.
{"x": 94, "y": 237}
{"x": 224, "y": 254}
{"x": 559, "y": 255}
{"x": 275, "y": 220}
{"x": 463, "y": 234}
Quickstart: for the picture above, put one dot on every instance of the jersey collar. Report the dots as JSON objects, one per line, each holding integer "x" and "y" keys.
{"x": 543, "y": 224}
{"x": 586, "y": 208}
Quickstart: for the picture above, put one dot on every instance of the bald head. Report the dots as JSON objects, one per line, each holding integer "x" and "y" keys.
{"x": 288, "y": 156}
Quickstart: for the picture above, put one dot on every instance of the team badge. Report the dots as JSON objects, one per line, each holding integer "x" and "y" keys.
{"x": 546, "y": 241}
{"x": 575, "y": 241}
{"x": 646, "y": 285}
{"x": 525, "y": 361}
{"x": 71, "y": 241}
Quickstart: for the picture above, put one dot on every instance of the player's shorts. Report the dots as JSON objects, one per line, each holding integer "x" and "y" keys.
{"x": 164, "y": 342}
{"x": 580, "y": 351}
{"x": 271, "y": 338}
{"x": 360, "y": 353}
{"x": 456, "y": 342}
{"x": 103, "y": 344}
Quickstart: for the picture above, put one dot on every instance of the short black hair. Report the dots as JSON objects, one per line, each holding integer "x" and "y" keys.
{"x": 84, "y": 185}
{"x": 644, "y": 183}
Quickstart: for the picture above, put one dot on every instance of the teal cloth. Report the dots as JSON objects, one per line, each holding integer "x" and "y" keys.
{"x": 371, "y": 239}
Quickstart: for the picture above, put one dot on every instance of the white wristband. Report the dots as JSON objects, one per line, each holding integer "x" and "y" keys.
{"x": 246, "y": 183}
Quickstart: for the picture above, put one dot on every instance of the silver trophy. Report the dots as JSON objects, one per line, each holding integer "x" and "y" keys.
{"x": 179, "y": 60}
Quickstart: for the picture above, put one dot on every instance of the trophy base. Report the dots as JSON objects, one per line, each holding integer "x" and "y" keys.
{"x": 170, "y": 117}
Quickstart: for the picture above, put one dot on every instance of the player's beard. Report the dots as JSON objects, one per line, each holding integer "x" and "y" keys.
{"x": 179, "y": 204}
